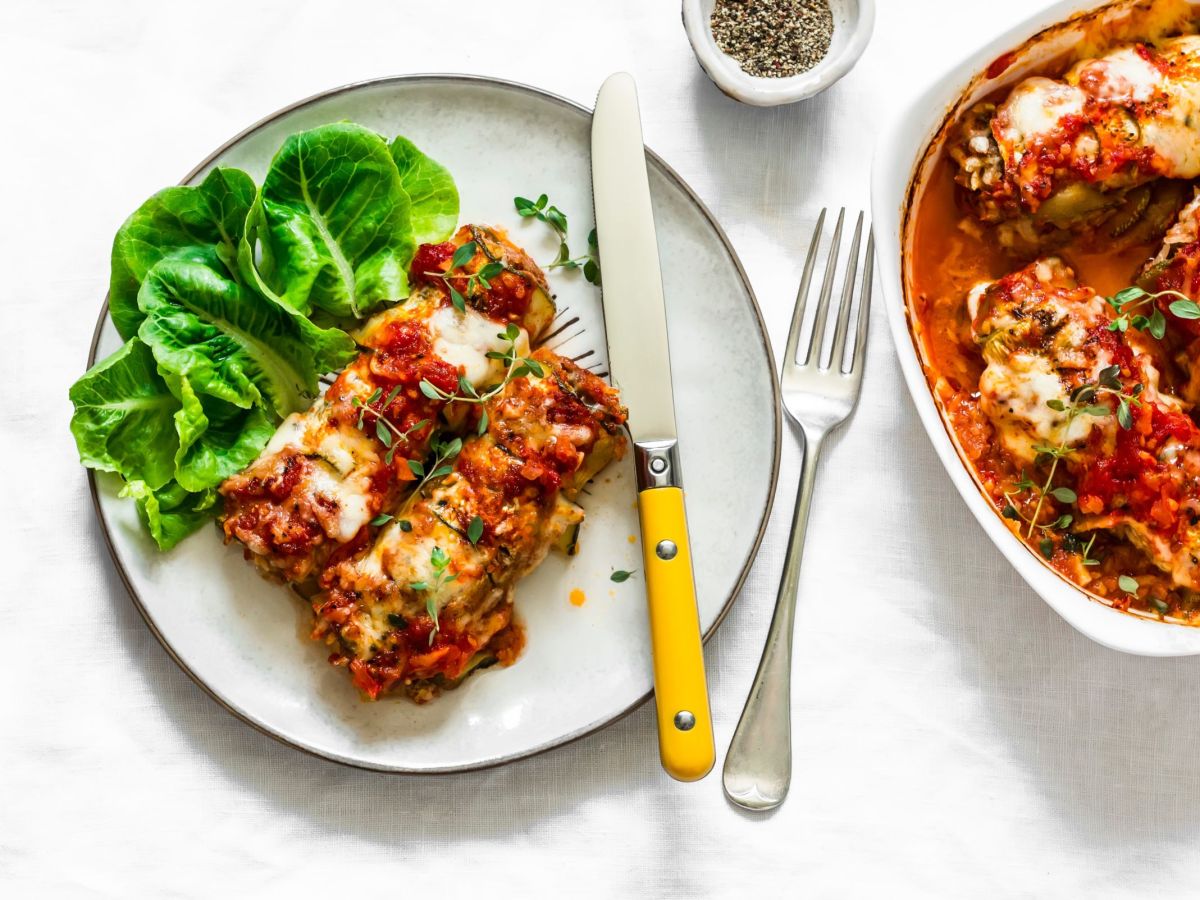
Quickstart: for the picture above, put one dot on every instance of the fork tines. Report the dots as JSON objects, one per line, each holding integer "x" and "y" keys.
{"x": 814, "y": 356}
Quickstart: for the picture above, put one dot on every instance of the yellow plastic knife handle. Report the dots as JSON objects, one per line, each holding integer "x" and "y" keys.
{"x": 685, "y": 735}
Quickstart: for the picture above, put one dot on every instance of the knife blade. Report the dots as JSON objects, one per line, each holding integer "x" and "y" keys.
{"x": 635, "y": 324}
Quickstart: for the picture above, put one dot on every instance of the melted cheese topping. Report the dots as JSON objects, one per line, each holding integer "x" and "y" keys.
{"x": 349, "y": 497}
{"x": 1185, "y": 229}
{"x": 1014, "y": 394}
{"x": 464, "y": 339}
{"x": 1129, "y": 100}
{"x": 289, "y": 434}
{"x": 1123, "y": 77}
{"x": 1026, "y": 369}
{"x": 1035, "y": 107}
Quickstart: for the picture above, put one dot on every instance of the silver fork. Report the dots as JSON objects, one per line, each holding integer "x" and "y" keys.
{"x": 818, "y": 396}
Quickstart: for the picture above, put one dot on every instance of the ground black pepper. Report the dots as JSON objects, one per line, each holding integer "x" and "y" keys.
{"x": 773, "y": 38}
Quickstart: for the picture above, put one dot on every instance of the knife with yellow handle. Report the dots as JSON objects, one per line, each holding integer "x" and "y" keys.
{"x": 639, "y": 361}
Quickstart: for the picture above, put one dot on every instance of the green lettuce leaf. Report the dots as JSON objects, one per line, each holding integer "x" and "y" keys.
{"x": 232, "y": 343}
{"x": 332, "y": 224}
{"x": 171, "y": 513}
{"x": 184, "y": 222}
{"x": 124, "y": 417}
{"x": 216, "y": 439}
{"x": 431, "y": 191}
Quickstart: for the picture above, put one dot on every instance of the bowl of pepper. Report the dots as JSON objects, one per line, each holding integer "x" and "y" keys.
{"x": 770, "y": 52}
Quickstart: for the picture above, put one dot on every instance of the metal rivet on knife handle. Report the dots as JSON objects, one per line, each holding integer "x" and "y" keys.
{"x": 656, "y": 464}
{"x": 684, "y": 720}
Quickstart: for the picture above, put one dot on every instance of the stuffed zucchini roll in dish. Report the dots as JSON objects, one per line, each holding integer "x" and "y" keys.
{"x": 329, "y": 471}
{"x": 1080, "y": 152}
{"x": 431, "y": 598}
{"x": 1176, "y": 267}
{"x": 1100, "y": 449}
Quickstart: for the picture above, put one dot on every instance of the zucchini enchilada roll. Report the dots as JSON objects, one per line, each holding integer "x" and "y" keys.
{"x": 1102, "y": 450}
{"x": 432, "y": 597}
{"x": 1059, "y": 156}
{"x": 1175, "y": 269}
{"x": 331, "y": 470}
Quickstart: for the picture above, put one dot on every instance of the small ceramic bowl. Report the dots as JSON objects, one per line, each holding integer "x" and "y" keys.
{"x": 852, "y": 24}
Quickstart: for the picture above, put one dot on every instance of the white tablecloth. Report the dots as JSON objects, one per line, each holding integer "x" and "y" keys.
{"x": 953, "y": 737}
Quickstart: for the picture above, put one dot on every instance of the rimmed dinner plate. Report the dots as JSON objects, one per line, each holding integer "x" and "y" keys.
{"x": 587, "y": 659}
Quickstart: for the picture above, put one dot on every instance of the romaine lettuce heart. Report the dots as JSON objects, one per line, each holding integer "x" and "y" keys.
{"x": 211, "y": 287}
{"x": 171, "y": 513}
{"x": 216, "y": 439}
{"x": 124, "y": 418}
{"x": 332, "y": 224}
{"x": 431, "y": 191}
{"x": 232, "y": 343}
{"x": 182, "y": 222}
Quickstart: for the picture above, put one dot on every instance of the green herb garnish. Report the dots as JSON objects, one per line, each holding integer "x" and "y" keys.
{"x": 543, "y": 211}
{"x": 475, "y": 530}
{"x": 387, "y": 431}
{"x": 516, "y": 366}
{"x": 476, "y": 282}
{"x": 1126, "y": 301}
{"x": 1073, "y": 543}
{"x": 444, "y": 453}
{"x": 1082, "y": 402}
{"x": 439, "y": 564}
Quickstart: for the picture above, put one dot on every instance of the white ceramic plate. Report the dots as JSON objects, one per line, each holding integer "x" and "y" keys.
{"x": 244, "y": 640}
{"x": 900, "y": 163}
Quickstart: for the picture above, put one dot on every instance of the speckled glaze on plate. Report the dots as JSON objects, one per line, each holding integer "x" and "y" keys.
{"x": 244, "y": 640}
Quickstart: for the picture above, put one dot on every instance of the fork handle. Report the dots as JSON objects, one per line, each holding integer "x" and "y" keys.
{"x": 758, "y": 767}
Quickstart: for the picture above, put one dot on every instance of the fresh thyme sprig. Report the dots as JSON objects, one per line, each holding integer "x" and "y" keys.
{"x": 386, "y": 430}
{"x": 542, "y": 210}
{"x": 1129, "y": 586}
{"x": 475, "y": 530}
{"x": 515, "y": 366}
{"x": 1074, "y": 544}
{"x": 440, "y": 574}
{"x": 1082, "y": 403}
{"x": 1126, "y": 301}
{"x": 444, "y": 453}
{"x": 476, "y": 281}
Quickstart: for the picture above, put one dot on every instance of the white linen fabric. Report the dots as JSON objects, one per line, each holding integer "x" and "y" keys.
{"x": 953, "y": 737}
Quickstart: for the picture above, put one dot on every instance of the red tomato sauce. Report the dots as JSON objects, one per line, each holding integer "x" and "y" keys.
{"x": 944, "y": 260}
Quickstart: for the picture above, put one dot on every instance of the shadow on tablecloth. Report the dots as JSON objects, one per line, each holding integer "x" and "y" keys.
{"x": 1106, "y": 737}
{"x": 398, "y": 810}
